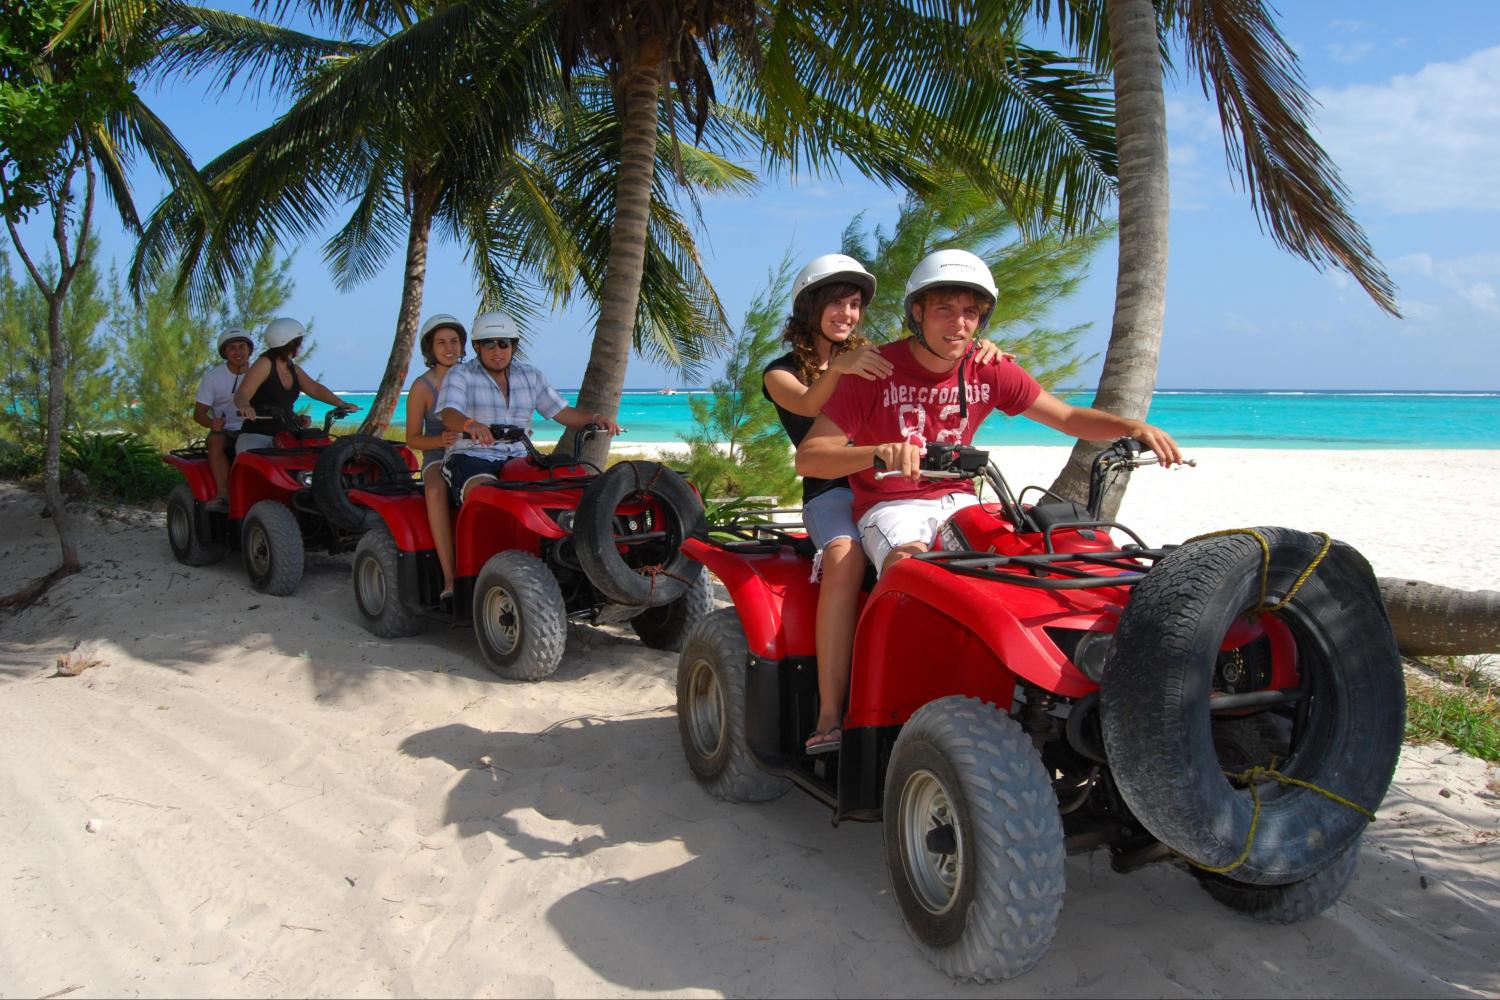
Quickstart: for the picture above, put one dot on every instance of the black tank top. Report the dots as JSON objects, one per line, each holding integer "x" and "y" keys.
{"x": 273, "y": 396}
{"x": 797, "y": 426}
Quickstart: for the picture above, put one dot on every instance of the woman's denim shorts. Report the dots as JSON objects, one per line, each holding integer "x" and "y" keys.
{"x": 830, "y": 515}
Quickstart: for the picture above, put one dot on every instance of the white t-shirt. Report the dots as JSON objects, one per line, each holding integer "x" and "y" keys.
{"x": 216, "y": 392}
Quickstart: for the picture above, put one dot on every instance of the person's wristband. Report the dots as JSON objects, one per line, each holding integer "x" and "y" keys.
{"x": 471, "y": 422}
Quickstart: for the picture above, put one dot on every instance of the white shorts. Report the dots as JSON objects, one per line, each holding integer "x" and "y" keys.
{"x": 888, "y": 525}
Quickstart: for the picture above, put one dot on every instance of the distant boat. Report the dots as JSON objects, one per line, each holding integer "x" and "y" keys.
{"x": 668, "y": 391}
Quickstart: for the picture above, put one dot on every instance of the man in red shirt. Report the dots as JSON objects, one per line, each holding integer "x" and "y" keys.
{"x": 937, "y": 393}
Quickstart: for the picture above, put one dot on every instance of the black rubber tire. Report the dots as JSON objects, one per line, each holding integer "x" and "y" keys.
{"x": 377, "y": 587}
{"x": 271, "y": 543}
{"x": 1285, "y": 904}
{"x": 667, "y": 627}
{"x": 1158, "y": 734}
{"x": 593, "y": 534}
{"x": 990, "y": 912}
{"x": 711, "y": 712}
{"x": 188, "y": 547}
{"x": 520, "y": 620}
{"x": 329, "y": 489}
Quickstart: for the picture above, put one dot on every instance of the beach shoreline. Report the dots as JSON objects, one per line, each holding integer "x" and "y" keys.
{"x": 253, "y": 796}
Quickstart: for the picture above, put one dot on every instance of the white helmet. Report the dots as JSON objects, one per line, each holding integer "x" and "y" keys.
{"x": 441, "y": 319}
{"x": 234, "y": 333}
{"x": 951, "y": 267}
{"x": 830, "y": 268}
{"x": 489, "y": 325}
{"x": 280, "y": 332}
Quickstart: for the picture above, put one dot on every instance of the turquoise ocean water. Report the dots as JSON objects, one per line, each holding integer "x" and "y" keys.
{"x": 1205, "y": 419}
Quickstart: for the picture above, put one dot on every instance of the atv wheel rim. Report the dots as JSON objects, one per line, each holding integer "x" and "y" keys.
{"x": 369, "y": 584}
{"x": 502, "y": 622}
{"x": 935, "y": 877}
{"x": 258, "y": 552}
{"x": 705, "y": 710}
{"x": 179, "y": 530}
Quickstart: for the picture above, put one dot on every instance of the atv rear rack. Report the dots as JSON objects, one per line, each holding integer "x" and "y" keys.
{"x": 1052, "y": 570}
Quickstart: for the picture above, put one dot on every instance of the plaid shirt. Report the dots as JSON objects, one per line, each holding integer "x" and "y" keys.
{"x": 471, "y": 390}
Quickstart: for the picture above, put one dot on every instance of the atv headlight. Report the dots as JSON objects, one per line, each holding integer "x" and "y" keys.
{"x": 563, "y": 517}
{"x": 1087, "y": 650}
{"x": 304, "y": 477}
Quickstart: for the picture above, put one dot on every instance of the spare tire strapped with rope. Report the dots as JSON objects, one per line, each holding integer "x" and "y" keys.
{"x": 646, "y": 585}
{"x": 328, "y": 487}
{"x": 1156, "y": 713}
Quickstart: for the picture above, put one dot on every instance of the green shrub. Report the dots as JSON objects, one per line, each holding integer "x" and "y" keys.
{"x": 18, "y": 461}
{"x": 119, "y": 466}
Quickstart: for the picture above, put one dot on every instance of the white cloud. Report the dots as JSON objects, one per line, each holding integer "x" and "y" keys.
{"x": 1351, "y": 51}
{"x": 1427, "y": 141}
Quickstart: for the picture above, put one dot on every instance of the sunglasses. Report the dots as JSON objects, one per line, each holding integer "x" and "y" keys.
{"x": 488, "y": 342}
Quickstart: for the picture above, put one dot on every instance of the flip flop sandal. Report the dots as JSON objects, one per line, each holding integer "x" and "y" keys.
{"x": 824, "y": 741}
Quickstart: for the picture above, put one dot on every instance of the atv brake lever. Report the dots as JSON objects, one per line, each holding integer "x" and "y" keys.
{"x": 923, "y": 474}
{"x": 1136, "y": 463}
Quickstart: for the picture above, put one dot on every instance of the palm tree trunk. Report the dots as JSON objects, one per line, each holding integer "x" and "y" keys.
{"x": 1432, "y": 620}
{"x": 604, "y": 379}
{"x": 419, "y": 235}
{"x": 57, "y": 367}
{"x": 1129, "y": 375}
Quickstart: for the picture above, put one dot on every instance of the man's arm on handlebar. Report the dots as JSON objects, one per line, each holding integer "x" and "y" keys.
{"x": 826, "y": 454}
{"x": 572, "y": 416}
{"x": 1096, "y": 425}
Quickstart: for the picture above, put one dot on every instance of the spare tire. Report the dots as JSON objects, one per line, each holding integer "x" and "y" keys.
{"x": 653, "y": 572}
{"x": 331, "y": 481}
{"x": 1159, "y": 734}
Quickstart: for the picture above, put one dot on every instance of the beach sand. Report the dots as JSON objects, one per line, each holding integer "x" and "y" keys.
{"x": 286, "y": 805}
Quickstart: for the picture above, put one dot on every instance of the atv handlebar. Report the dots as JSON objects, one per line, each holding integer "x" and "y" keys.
{"x": 513, "y": 433}
{"x": 1121, "y": 456}
{"x": 944, "y": 461}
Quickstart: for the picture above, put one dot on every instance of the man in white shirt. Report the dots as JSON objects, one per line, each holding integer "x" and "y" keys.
{"x": 214, "y": 407}
{"x": 494, "y": 388}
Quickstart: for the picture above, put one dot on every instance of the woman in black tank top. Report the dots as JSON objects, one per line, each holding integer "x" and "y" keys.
{"x": 271, "y": 387}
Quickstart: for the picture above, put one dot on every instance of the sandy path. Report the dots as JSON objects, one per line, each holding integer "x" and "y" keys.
{"x": 291, "y": 807}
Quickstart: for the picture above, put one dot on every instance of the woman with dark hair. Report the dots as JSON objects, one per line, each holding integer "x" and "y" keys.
{"x": 829, "y": 297}
{"x": 442, "y": 344}
{"x": 266, "y": 402}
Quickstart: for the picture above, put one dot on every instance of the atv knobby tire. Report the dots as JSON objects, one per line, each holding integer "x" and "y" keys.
{"x": 973, "y": 840}
{"x": 711, "y": 712}
{"x": 1159, "y": 735}
{"x": 329, "y": 489}
{"x": 519, "y": 616}
{"x": 1285, "y": 904}
{"x": 667, "y": 627}
{"x": 271, "y": 542}
{"x": 377, "y": 587}
{"x": 188, "y": 546}
{"x": 666, "y": 572}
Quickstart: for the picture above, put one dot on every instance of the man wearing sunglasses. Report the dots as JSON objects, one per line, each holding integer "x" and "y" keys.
{"x": 494, "y": 388}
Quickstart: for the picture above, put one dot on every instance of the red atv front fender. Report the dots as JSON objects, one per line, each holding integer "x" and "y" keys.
{"x": 405, "y": 515}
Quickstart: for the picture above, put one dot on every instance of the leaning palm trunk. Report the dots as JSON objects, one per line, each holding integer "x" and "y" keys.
{"x": 1129, "y": 374}
{"x": 386, "y": 396}
{"x": 604, "y": 379}
{"x": 1432, "y": 620}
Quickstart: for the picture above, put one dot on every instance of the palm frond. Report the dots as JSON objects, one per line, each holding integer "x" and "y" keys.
{"x": 201, "y": 39}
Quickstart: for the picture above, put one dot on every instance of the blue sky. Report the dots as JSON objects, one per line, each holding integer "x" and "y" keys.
{"x": 1410, "y": 111}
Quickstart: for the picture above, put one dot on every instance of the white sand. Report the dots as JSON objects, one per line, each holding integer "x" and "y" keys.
{"x": 288, "y": 806}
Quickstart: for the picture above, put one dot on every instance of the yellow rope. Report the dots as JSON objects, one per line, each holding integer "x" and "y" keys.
{"x": 1265, "y": 566}
{"x": 1249, "y": 777}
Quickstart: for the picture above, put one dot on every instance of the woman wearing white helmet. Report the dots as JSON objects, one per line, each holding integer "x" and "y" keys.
{"x": 214, "y": 408}
{"x": 939, "y": 392}
{"x": 442, "y": 343}
{"x": 270, "y": 388}
{"x": 829, "y": 298}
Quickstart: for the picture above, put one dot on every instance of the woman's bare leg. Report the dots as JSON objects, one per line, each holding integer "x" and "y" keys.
{"x": 440, "y": 519}
{"x": 843, "y": 571}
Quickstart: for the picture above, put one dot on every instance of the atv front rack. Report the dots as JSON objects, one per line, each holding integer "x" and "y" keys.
{"x": 1052, "y": 570}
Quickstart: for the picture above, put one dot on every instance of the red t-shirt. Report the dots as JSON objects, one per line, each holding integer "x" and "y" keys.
{"x": 919, "y": 406}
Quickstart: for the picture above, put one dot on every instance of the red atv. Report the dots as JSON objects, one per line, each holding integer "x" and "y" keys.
{"x": 1031, "y": 689}
{"x": 554, "y": 541}
{"x": 283, "y": 501}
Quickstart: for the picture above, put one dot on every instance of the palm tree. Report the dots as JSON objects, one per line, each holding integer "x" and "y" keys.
{"x": 532, "y": 211}
{"x": 74, "y": 119}
{"x": 1294, "y": 187}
